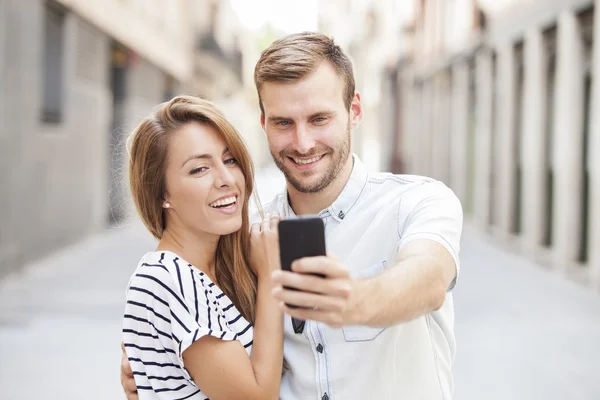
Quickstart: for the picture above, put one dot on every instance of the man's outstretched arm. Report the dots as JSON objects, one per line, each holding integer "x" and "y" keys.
{"x": 426, "y": 268}
{"x": 416, "y": 286}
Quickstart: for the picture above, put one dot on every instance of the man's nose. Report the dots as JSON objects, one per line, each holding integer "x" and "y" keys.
{"x": 303, "y": 141}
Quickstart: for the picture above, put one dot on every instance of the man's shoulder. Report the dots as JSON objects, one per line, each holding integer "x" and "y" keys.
{"x": 273, "y": 206}
{"x": 399, "y": 179}
{"x": 399, "y": 184}
{"x": 411, "y": 189}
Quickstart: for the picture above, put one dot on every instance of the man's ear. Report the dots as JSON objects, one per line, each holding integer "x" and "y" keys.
{"x": 262, "y": 120}
{"x": 356, "y": 111}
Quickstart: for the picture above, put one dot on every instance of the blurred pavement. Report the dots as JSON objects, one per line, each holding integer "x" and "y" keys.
{"x": 523, "y": 332}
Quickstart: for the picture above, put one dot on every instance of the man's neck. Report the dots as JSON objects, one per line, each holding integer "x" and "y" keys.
{"x": 313, "y": 203}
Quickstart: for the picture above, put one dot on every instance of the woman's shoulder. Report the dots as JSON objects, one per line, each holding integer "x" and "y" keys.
{"x": 165, "y": 271}
{"x": 159, "y": 269}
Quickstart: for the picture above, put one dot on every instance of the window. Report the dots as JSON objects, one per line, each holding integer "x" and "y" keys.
{"x": 493, "y": 144}
{"x": 53, "y": 91}
{"x": 518, "y": 168}
{"x": 472, "y": 110}
{"x": 550, "y": 59}
{"x": 586, "y": 26}
{"x": 585, "y": 188}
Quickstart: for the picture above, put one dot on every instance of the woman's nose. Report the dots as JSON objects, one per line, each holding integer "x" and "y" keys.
{"x": 225, "y": 178}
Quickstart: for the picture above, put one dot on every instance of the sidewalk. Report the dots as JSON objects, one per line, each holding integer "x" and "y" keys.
{"x": 60, "y": 322}
{"x": 523, "y": 333}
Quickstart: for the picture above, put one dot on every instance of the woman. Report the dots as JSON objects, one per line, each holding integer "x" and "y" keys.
{"x": 200, "y": 320}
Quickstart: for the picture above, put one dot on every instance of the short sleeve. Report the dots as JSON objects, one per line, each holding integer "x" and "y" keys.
{"x": 186, "y": 313}
{"x": 193, "y": 316}
{"x": 432, "y": 211}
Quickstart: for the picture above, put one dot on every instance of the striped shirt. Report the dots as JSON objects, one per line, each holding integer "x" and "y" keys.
{"x": 170, "y": 305}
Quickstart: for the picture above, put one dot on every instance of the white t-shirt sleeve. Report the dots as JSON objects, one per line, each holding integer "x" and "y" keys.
{"x": 432, "y": 211}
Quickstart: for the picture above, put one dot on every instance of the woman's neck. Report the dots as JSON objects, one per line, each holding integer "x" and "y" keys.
{"x": 198, "y": 250}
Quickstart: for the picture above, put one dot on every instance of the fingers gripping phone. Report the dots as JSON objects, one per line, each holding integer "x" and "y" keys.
{"x": 300, "y": 237}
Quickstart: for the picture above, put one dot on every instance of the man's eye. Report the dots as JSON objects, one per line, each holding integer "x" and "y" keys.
{"x": 198, "y": 170}
{"x": 283, "y": 123}
{"x": 320, "y": 120}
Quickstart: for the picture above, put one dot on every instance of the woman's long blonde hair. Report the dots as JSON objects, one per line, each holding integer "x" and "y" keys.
{"x": 148, "y": 146}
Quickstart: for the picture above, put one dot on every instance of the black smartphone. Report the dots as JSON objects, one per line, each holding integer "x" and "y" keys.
{"x": 300, "y": 237}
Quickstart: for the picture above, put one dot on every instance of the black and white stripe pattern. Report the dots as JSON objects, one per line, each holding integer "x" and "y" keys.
{"x": 170, "y": 305}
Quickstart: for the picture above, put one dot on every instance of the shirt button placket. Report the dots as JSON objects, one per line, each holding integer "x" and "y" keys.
{"x": 322, "y": 381}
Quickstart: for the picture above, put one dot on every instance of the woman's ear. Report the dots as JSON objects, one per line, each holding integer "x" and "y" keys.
{"x": 166, "y": 202}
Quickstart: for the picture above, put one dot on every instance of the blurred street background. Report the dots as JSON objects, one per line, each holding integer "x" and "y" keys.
{"x": 496, "y": 98}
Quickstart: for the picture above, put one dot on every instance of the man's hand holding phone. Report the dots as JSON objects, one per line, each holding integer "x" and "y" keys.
{"x": 332, "y": 299}
{"x": 313, "y": 285}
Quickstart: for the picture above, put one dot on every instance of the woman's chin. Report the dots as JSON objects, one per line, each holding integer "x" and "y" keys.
{"x": 230, "y": 226}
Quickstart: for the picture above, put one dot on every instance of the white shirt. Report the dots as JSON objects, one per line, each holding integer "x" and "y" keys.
{"x": 170, "y": 305}
{"x": 374, "y": 216}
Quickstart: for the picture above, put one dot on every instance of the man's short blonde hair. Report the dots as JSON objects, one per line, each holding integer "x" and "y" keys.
{"x": 295, "y": 56}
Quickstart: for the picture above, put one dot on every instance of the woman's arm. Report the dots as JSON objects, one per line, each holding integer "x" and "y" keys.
{"x": 222, "y": 369}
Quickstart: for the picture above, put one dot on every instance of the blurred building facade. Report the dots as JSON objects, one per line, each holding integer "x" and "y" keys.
{"x": 224, "y": 71}
{"x": 371, "y": 32}
{"x": 76, "y": 77}
{"x": 500, "y": 101}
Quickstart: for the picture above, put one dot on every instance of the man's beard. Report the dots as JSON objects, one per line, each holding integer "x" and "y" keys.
{"x": 339, "y": 156}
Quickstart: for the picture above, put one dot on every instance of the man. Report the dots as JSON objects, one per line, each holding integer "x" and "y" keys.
{"x": 380, "y": 325}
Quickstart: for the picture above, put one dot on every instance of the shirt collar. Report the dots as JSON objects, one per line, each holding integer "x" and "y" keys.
{"x": 349, "y": 195}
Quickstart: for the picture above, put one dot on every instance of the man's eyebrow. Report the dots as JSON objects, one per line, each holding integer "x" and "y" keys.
{"x": 313, "y": 115}
{"x": 277, "y": 119}
{"x": 322, "y": 114}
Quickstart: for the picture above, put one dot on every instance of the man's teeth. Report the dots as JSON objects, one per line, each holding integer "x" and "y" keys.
{"x": 309, "y": 161}
{"x": 223, "y": 202}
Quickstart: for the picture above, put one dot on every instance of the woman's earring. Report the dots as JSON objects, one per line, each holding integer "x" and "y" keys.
{"x": 167, "y": 205}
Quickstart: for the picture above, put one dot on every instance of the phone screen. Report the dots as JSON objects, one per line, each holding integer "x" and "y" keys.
{"x": 300, "y": 237}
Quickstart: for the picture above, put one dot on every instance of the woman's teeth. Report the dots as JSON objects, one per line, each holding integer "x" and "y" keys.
{"x": 223, "y": 202}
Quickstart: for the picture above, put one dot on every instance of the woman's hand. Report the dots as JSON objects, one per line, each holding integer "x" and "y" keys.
{"x": 264, "y": 247}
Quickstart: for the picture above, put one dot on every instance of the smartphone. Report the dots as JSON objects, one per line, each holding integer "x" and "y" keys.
{"x": 300, "y": 237}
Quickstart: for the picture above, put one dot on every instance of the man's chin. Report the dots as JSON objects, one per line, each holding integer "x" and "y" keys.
{"x": 290, "y": 170}
{"x": 304, "y": 183}
{"x": 307, "y": 181}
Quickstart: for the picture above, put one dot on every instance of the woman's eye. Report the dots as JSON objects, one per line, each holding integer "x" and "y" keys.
{"x": 198, "y": 170}
{"x": 231, "y": 161}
